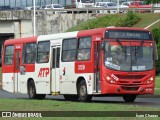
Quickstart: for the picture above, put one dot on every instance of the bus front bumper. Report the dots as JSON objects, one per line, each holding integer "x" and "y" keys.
{"x": 127, "y": 89}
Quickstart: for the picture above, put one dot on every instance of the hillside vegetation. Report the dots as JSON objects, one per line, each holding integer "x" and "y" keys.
{"x": 147, "y": 19}
{"x": 140, "y": 20}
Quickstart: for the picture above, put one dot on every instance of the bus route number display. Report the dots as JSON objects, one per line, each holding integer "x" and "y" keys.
{"x": 128, "y": 34}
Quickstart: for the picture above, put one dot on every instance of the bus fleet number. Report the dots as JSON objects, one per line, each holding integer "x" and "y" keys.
{"x": 81, "y": 67}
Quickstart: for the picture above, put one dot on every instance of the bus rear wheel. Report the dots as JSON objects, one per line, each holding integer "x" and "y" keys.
{"x": 129, "y": 98}
{"x": 82, "y": 92}
{"x": 32, "y": 91}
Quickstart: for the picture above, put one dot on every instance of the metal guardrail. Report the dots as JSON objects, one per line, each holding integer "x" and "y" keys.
{"x": 27, "y": 14}
{"x": 87, "y": 10}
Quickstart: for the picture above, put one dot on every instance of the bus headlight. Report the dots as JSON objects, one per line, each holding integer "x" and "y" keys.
{"x": 150, "y": 80}
{"x": 108, "y": 79}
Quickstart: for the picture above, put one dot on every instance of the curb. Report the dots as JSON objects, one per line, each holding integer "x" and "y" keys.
{"x": 148, "y": 96}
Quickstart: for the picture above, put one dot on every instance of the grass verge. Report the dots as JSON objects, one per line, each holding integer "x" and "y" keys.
{"x": 157, "y": 82}
{"x": 147, "y": 19}
{"x": 53, "y": 105}
{"x": 157, "y": 86}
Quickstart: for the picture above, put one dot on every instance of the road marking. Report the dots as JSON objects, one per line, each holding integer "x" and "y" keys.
{"x": 151, "y": 24}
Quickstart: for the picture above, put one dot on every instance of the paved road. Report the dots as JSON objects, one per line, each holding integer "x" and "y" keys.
{"x": 150, "y": 101}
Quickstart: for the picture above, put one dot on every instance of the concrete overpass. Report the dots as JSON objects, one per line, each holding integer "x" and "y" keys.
{"x": 20, "y": 23}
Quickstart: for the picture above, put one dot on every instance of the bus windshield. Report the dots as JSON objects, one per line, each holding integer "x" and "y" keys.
{"x": 128, "y": 57}
{"x": 87, "y": 1}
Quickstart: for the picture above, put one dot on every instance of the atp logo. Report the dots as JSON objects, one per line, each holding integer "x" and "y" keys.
{"x": 43, "y": 72}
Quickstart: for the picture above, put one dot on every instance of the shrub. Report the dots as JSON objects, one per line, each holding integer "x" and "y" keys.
{"x": 119, "y": 20}
{"x": 130, "y": 19}
{"x": 156, "y": 34}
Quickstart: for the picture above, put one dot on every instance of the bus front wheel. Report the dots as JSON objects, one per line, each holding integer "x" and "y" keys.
{"x": 82, "y": 92}
{"x": 129, "y": 98}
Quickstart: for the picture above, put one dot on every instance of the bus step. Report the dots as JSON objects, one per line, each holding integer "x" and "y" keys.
{"x": 96, "y": 93}
{"x": 55, "y": 93}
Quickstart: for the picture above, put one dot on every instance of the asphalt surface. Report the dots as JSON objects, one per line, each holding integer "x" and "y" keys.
{"x": 150, "y": 101}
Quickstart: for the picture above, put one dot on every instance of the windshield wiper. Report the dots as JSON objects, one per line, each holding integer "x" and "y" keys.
{"x": 123, "y": 48}
{"x": 120, "y": 44}
{"x": 142, "y": 41}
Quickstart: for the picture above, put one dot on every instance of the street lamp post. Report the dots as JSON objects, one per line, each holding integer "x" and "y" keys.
{"x": 117, "y": 6}
{"x": 9, "y": 2}
{"x": 34, "y": 18}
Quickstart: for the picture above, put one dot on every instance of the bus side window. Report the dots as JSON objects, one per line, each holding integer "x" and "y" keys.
{"x": 9, "y": 52}
{"x": 69, "y": 50}
{"x": 43, "y": 52}
{"x": 84, "y": 48}
{"x": 30, "y": 53}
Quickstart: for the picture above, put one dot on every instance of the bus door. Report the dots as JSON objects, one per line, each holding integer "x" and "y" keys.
{"x": 55, "y": 65}
{"x": 97, "y": 64}
{"x": 17, "y": 68}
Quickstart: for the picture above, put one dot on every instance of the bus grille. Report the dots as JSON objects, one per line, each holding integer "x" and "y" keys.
{"x": 130, "y": 88}
{"x": 130, "y": 76}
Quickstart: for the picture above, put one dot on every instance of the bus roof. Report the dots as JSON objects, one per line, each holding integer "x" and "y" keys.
{"x": 99, "y": 31}
{"x": 96, "y": 31}
{"x": 20, "y": 40}
{"x": 58, "y": 36}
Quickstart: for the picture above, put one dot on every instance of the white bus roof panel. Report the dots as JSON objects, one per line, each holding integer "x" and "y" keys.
{"x": 58, "y": 36}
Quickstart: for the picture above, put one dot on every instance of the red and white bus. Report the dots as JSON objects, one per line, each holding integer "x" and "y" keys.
{"x": 116, "y": 61}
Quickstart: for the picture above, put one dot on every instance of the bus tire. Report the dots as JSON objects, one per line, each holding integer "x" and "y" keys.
{"x": 32, "y": 90}
{"x": 129, "y": 98}
{"x": 82, "y": 92}
{"x": 71, "y": 97}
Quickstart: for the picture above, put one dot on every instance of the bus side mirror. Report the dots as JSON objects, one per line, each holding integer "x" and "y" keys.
{"x": 156, "y": 52}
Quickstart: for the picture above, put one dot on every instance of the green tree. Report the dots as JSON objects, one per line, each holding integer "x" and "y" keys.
{"x": 152, "y": 1}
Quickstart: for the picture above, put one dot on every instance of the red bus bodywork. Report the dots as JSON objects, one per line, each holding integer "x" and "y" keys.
{"x": 99, "y": 79}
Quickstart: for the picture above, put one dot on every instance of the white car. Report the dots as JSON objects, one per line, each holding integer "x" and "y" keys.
{"x": 125, "y": 4}
{"x": 54, "y": 6}
{"x": 57, "y": 7}
{"x": 111, "y": 5}
{"x": 28, "y": 8}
